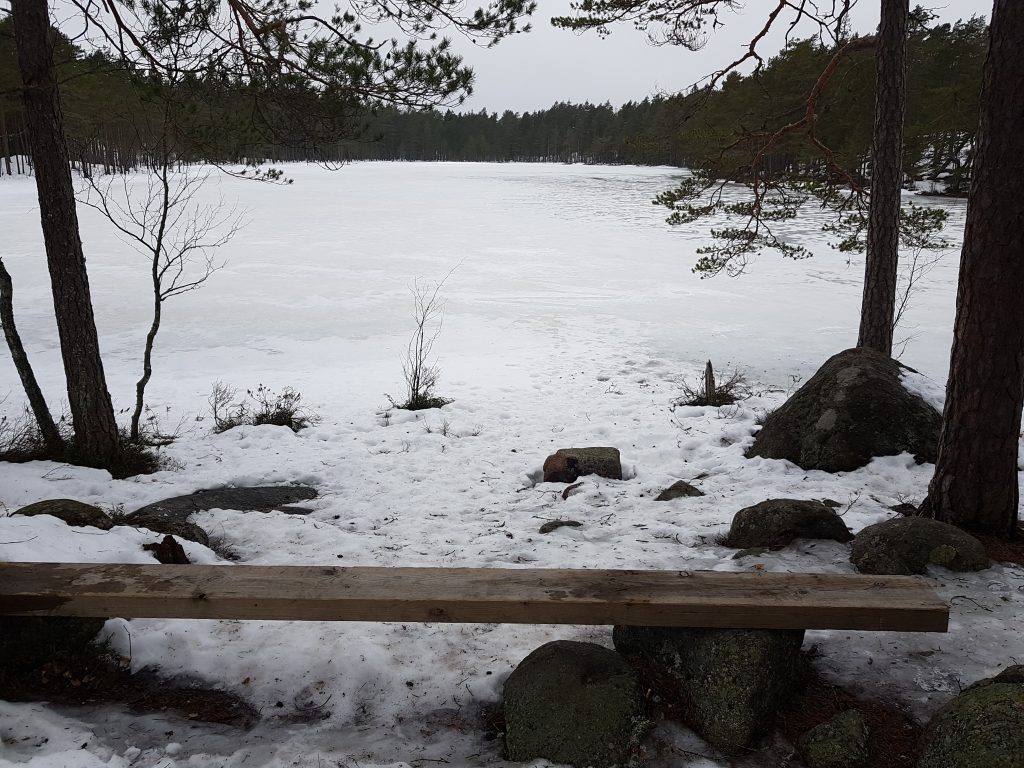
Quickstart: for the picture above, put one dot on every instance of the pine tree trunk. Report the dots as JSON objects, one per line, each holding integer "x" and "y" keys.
{"x": 5, "y": 143}
{"x": 44, "y": 419}
{"x": 878, "y": 304}
{"x": 96, "y": 437}
{"x": 975, "y": 482}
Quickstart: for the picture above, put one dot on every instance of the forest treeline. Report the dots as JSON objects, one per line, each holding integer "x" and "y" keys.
{"x": 102, "y": 107}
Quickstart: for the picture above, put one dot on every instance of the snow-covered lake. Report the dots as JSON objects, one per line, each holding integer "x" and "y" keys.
{"x": 571, "y": 314}
{"x": 547, "y": 259}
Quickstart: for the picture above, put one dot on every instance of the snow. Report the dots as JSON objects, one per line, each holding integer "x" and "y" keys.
{"x": 571, "y": 316}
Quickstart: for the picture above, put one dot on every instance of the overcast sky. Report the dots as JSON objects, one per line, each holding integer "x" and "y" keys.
{"x": 532, "y": 71}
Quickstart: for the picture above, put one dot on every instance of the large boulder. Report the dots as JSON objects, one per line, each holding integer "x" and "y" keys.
{"x": 777, "y": 522}
{"x": 574, "y": 703}
{"x": 842, "y": 742}
{"x": 731, "y": 680}
{"x": 983, "y": 727}
{"x": 72, "y": 512}
{"x": 853, "y": 409}
{"x": 566, "y": 465}
{"x": 908, "y": 545}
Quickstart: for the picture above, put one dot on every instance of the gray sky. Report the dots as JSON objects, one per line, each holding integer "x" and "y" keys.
{"x": 532, "y": 71}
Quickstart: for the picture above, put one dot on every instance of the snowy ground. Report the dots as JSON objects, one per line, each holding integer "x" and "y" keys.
{"x": 571, "y": 316}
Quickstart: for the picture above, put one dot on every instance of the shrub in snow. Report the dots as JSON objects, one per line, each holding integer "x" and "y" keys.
{"x": 260, "y": 406}
{"x": 420, "y": 371}
{"x": 710, "y": 392}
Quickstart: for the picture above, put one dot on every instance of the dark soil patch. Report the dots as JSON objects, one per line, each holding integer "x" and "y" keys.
{"x": 894, "y": 738}
{"x": 96, "y": 676}
{"x": 1000, "y": 551}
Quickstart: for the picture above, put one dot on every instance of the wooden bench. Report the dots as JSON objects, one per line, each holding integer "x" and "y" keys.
{"x": 711, "y": 599}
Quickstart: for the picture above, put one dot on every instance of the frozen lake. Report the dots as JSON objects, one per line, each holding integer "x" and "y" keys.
{"x": 546, "y": 258}
{"x": 572, "y": 313}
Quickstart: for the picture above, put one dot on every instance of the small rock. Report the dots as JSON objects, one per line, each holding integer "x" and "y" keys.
{"x": 168, "y": 525}
{"x": 732, "y": 680}
{"x": 983, "y": 727}
{"x": 574, "y": 703}
{"x": 554, "y": 525}
{"x": 677, "y": 490}
{"x": 842, "y": 742}
{"x": 908, "y": 545}
{"x": 168, "y": 551}
{"x": 566, "y": 465}
{"x": 71, "y": 512}
{"x": 777, "y": 522}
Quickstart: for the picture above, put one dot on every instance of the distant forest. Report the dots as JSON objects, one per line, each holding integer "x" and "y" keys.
{"x": 102, "y": 106}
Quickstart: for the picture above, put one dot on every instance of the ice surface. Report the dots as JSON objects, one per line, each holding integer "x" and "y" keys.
{"x": 572, "y": 313}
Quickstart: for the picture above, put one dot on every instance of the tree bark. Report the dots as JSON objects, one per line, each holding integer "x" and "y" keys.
{"x": 5, "y": 143}
{"x": 975, "y": 482}
{"x": 47, "y": 429}
{"x": 877, "y": 306}
{"x": 96, "y": 436}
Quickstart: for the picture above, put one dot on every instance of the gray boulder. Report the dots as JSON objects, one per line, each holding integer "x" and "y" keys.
{"x": 245, "y": 499}
{"x": 731, "y": 680}
{"x": 72, "y": 512}
{"x": 842, "y": 742}
{"x": 574, "y": 703}
{"x": 853, "y": 409}
{"x": 908, "y": 545}
{"x": 777, "y": 522}
{"x": 983, "y": 727}
{"x": 679, "y": 489}
{"x": 171, "y": 527}
{"x": 566, "y": 465}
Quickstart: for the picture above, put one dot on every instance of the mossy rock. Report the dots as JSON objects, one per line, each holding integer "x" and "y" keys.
{"x": 908, "y": 545}
{"x": 853, "y": 409}
{"x": 678, "y": 490}
{"x": 72, "y": 512}
{"x": 777, "y": 522}
{"x": 171, "y": 527}
{"x": 573, "y": 703}
{"x": 983, "y": 727}
{"x": 731, "y": 680}
{"x": 842, "y": 742}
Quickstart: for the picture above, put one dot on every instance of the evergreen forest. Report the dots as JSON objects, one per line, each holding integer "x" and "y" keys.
{"x": 105, "y": 110}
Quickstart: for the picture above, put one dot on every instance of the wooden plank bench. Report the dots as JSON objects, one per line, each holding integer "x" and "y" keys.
{"x": 711, "y": 599}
